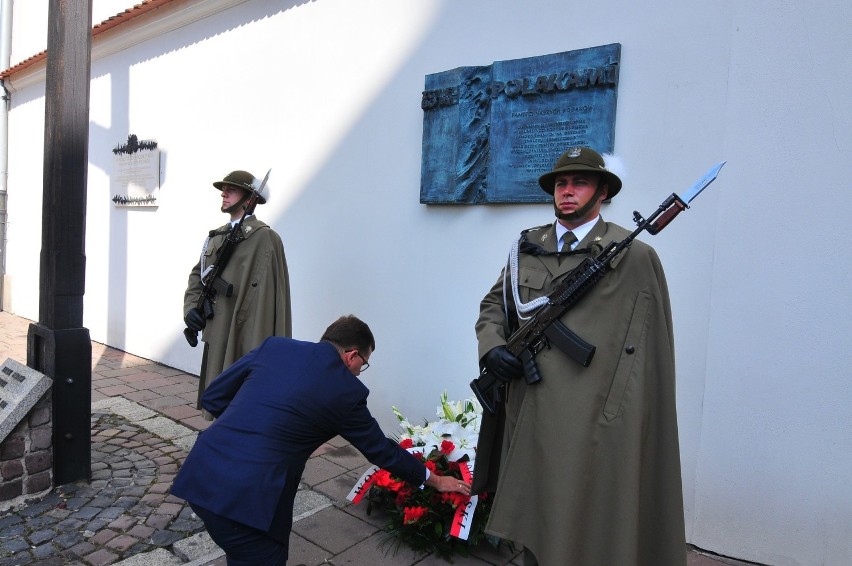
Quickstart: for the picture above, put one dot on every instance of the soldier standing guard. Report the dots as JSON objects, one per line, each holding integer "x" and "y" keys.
{"x": 602, "y": 440}
{"x": 238, "y": 294}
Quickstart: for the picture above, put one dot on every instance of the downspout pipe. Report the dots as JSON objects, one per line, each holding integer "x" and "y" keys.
{"x": 5, "y": 104}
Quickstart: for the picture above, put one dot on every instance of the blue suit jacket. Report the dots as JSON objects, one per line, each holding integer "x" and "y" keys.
{"x": 275, "y": 406}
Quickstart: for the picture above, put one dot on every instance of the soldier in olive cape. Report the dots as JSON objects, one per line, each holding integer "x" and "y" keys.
{"x": 586, "y": 462}
{"x": 258, "y": 305}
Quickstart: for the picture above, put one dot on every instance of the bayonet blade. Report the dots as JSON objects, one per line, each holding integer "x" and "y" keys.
{"x": 259, "y": 190}
{"x": 701, "y": 183}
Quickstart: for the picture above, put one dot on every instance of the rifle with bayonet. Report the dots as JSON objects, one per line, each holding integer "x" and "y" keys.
{"x": 544, "y": 327}
{"x": 212, "y": 284}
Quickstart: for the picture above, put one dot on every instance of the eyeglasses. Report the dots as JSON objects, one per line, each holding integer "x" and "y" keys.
{"x": 366, "y": 364}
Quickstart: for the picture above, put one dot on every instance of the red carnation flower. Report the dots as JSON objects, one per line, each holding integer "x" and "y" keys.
{"x": 454, "y": 499}
{"x": 447, "y": 447}
{"x": 385, "y": 480}
{"x": 406, "y": 443}
{"x": 413, "y": 514}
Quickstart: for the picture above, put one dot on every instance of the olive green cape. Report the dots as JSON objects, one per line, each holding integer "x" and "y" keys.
{"x": 589, "y": 462}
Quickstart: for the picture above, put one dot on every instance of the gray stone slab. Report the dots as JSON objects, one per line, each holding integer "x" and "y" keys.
{"x": 346, "y": 457}
{"x": 302, "y": 551}
{"x": 20, "y": 389}
{"x": 159, "y": 557}
{"x": 166, "y": 428}
{"x": 333, "y": 529}
{"x": 307, "y": 503}
{"x": 197, "y": 547}
{"x": 375, "y": 551}
{"x": 133, "y": 412}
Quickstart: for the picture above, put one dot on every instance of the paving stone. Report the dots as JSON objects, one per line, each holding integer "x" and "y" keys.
{"x": 10, "y": 520}
{"x": 158, "y": 521}
{"x": 88, "y": 491}
{"x": 186, "y": 525}
{"x": 42, "y": 521}
{"x": 141, "y": 532}
{"x": 87, "y": 513}
{"x": 70, "y": 524}
{"x": 166, "y": 538}
{"x": 14, "y": 545}
{"x": 102, "y": 500}
{"x": 101, "y": 557}
{"x": 69, "y": 539}
{"x": 33, "y": 509}
{"x": 111, "y": 513}
{"x": 43, "y": 552}
{"x": 122, "y": 542}
{"x": 76, "y": 503}
{"x": 98, "y": 524}
{"x": 14, "y": 531}
{"x": 55, "y": 560}
{"x": 58, "y": 513}
{"x": 122, "y": 523}
{"x": 82, "y": 549}
{"x": 15, "y": 560}
{"x": 103, "y": 537}
{"x": 38, "y": 537}
{"x": 170, "y": 509}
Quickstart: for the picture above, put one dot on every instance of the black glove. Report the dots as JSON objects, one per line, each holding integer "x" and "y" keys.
{"x": 502, "y": 364}
{"x": 195, "y": 320}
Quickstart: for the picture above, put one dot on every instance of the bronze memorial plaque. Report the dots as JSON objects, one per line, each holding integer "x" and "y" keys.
{"x": 490, "y": 131}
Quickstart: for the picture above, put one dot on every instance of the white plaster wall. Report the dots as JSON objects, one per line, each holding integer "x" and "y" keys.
{"x": 776, "y": 448}
{"x": 327, "y": 93}
{"x": 29, "y": 19}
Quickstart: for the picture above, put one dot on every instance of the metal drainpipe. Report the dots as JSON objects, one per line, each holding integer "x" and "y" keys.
{"x": 5, "y": 57}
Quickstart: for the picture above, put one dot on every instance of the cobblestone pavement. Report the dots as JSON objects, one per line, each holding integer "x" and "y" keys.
{"x": 144, "y": 422}
{"x": 124, "y": 511}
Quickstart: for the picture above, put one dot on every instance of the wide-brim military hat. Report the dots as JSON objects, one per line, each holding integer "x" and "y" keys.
{"x": 580, "y": 159}
{"x": 243, "y": 180}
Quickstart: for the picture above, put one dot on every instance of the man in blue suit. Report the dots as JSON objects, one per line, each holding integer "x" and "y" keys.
{"x": 274, "y": 407}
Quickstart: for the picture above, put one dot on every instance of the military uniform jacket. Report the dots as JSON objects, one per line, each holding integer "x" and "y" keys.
{"x": 259, "y": 306}
{"x": 589, "y": 461}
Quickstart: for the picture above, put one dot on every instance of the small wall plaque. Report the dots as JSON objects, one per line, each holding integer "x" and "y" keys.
{"x": 136, "y": 173}
{"x": 489, "y": 132}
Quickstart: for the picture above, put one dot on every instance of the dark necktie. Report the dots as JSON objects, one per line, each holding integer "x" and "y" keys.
{"x": 568, "y": 239}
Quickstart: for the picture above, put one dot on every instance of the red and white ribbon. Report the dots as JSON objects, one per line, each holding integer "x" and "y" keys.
{"x": 463, "y": 518}
{"x": 363, "y": 485}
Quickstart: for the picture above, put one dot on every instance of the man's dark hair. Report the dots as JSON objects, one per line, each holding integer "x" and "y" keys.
{"x": 349, "y": 332}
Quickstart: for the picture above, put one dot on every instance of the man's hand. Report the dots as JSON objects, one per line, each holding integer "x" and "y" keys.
{"x": 195, "y": 320}
{"x": 502, "y": 364}
{"x": 448, "y": 483}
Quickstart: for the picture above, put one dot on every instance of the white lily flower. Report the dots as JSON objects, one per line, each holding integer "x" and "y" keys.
{"x": 458, "y": 422}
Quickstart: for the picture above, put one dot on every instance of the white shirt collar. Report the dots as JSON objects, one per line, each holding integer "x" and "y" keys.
{"x": 235, "y": 222}
{"x": 580, "y": 232}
